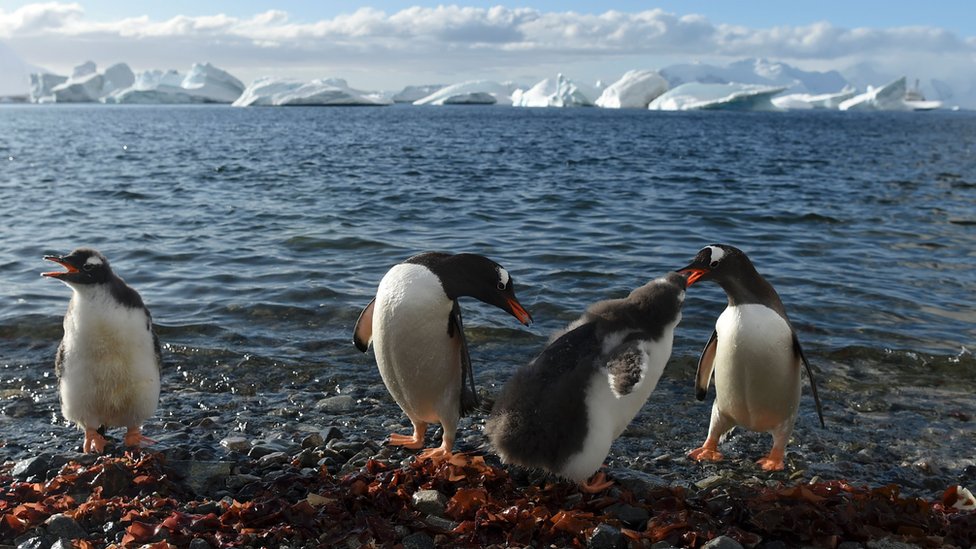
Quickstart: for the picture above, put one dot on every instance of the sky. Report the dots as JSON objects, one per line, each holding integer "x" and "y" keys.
{"x": 386, "y": 44}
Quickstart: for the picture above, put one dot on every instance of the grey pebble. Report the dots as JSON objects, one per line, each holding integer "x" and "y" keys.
{"x": 274, "y": 458}
{"x": 722, "y": 542}
{"x": 439, "y": 523}
{"x": 637, "y": 482}
{"x": 336, "y": 404}
{"x": 236, "y": 482}
{"x": 605, "y": 536}
{"x": 199, "y": 543}
{"x": 31, "y": 466}
{"x": 418, "y": 540}
{"x": 630, "y": 515}
{"x": 236, "y": 444}
{"x": 430, "y": 502}
{"x": 200, "y": 474}
{"x": 60, "y": 526}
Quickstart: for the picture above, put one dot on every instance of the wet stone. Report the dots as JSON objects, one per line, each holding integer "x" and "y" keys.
{"x": 722, "y": 542}
{"x": 236, "y": 444}
{"x": 336, "y": 404}
{"x": 63, "y": 543}
{"x": 199, "y": 543}
{"x": 274, "y": 458}
{"x": 114, "y": 480}
{"x": 634, "y": 517}
{"x": 31, "y": 466}
{"x": 200, "y": 474}
{"x": 430, "y": 502}
{"x": 60, "y": 526}
{"x": 419, "y": 540}
{"x": 637, "y": 482}
{"x": 605, "y": 536}
{"x": 439, "y": 523}
{"x": 313, "y": 440}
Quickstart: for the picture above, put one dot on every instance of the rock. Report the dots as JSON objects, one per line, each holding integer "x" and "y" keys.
{"x": 114, "y": 480}
{"x": 236, "y": 444}
{"x": 336, "y": 404}
{"x": 890, "y": 544}
{"x": 236, "y": 482}
{"x": 439, "y": 523}
{"x": 331, "y": 433}
{"x": 605, "y": 536}
{"x": 307, "y": 458}
{"x": 63, "y": 543}
{"x": 60, "y": 526}
{"x": 850, "y": 545}
{"x": 31, "y": 466}
{"x": 634, "y": 517}
{"x": 198, "y": 475}
{"x": 274, "y": 458}
{"x": 709, "y": 482}
{"x": 418, "y": 540}
{"x": 199, "y": 543}
{"x": 722, "y": 542}
{"x": 430, "y": 502}
{"x": 637, "y": 482}
{"x": 35, "y": 542}
{"x": 663, "y": 545}
{"x": 313, "y": 440}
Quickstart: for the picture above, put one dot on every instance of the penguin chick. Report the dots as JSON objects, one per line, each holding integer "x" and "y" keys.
{"x": 563, "y": 410}
{"x": 414, "y": 324}
{"x": 109, "y": 360}
{"x": 753, "y": 355}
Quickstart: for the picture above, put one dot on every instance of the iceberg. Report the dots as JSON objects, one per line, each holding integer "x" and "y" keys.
{"x": 204, "y": 83}
{"x": 271, "y": 91}
{"x": 85, "y": 85}
{"x": 473, "y": 92}
{"x": 410, "y": 94}
{"x": 561, "y": 92}
{"x": 735, "y": 97}
{"x": 890, "y": 97}
{"x": 756, "y": 71}
{"x": 805, "y": 101}
{"x": 635, "y": 90}
{"x": 15, "y": 75}
{"x": 42, "y": 85}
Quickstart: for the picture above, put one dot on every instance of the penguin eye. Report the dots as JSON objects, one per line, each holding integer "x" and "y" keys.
{"x": 713, "y": 264}
{"x": 87, "y": 267}
{"x": 501, "y": 286}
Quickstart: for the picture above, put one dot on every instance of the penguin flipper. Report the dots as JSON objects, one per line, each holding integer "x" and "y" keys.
{"x": 813, "y": 383}
{"x": 455, "y": 328}
{"x": 363, "y": 333}
{"x": 706, "y": 362}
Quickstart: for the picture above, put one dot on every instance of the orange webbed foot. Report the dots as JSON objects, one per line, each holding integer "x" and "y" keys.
{"x": 94, "y": 442}
{"x": 134, "y": 438}
{"x": 772, "y": 462}
{"x": 413, "y": 442}
{"x": 596, "y": 484}
{"x": 436, "y": 454}
{"x": 706, "y": 454}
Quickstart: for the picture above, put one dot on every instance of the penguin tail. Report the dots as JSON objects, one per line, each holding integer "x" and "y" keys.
{"x": 470, "y": 401}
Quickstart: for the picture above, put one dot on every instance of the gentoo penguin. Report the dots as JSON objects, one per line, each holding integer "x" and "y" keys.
{"x": 414, "y": 324}
{"x": 563, "y": 410}
{"x": 109, "y": 360}
{"x": 753, "y": 353}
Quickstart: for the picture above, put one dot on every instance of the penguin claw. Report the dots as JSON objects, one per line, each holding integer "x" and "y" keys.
{"x": 412, "y": 442}
{"x": 94, "y": 442}
{"x": 772, "y": 462}
{"x": 705, "y": 454}
{"x": 435, "y": 454}
{"x": 596, "y": 484}
{"x": 134, "y": 439}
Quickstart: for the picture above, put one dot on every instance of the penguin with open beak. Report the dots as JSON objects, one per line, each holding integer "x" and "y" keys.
{"x": 109, "y": 360}
{"x": 563, "y": 410}
{"x": 414, "y": 324}
{"x": 753, "y": 355}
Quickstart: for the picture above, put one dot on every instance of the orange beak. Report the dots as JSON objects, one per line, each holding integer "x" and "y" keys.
{"x": 693, "y": 274}
{"x": 58, "y": 274}
{"x": 518, "y": 311}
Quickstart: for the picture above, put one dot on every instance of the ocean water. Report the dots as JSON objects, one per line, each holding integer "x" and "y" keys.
{"x": 256, "y": 236}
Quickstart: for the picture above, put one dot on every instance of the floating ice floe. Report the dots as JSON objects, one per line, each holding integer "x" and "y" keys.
{"x": 561, "y": 92}
{"x": 805, "y": 101}
{"x": 635, "y": 90}
{"x": 85, "y": 85}
{"x": 474, "y": 92}
{"x": 280, "y": 92}
{"x": 736, "y": 97}
{"x": 204, "y": 83}
{"x": 410, "y": 94}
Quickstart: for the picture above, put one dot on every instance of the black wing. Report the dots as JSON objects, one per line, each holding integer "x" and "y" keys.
{"x": 813, "y": 383}
{"x": 363, "y": 333}
{"x": 706, "y": 362}
{"x": 469, "y": 396}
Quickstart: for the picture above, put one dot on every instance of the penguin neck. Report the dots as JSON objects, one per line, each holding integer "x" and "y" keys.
{"x": 749, "y": 287}
{"x": 115, "y": 292}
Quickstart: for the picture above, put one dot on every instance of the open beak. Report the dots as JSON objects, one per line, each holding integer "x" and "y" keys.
{"x": 518, "y": 311}
{"x": 693, "y": 274}
{"x": 71, "y": 269}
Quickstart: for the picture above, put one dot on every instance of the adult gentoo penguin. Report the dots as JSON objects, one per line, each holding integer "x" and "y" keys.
{"x": 563, "y": 410}
{"x": 414, "y": 324}
{"x": 753, "y": 353}
{"x": 109, "y": 360}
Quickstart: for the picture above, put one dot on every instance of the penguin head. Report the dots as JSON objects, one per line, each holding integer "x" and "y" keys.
{"x": 481, "y": 278}
{"x": 714, "y": 262}
{"x": 84, "y": 266}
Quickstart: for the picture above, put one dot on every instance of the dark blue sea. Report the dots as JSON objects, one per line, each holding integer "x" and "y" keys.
{"x": 256, "y": 236}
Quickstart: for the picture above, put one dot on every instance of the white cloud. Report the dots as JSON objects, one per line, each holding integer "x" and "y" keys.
{"x": 453, "y": 40}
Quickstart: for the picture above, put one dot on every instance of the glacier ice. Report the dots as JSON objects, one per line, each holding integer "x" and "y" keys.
{"x": 635, "y": 90}
{"x": 409, "y": 94}
{"x": 805, "y": 101}
{"x": 756, "y": 71}
{"x": 204, "y": 83}
{"x": 561, "y": 92}
{"x": 42, "y": 84}
{"x": 697, "y": 95}
{"x": 890, "y": 97}
{"x": 272, "y": 91}
{"x": 472, "y": 92}
{"x": 85, "y": 85}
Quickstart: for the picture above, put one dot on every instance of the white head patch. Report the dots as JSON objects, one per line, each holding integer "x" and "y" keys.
{"x": 94, "y": 260}
{"x": 717, "y": 253}
{"x": 503, "y": 277}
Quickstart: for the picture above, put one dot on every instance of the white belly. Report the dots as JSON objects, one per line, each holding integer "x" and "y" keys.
{"x": 757, "y": 374}
{"x": 608, "y": 415}
{"x": 419, "y": 363}
{"x": 110, "y": 376}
